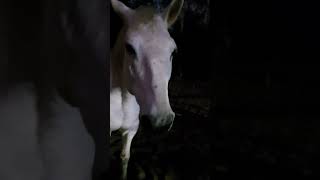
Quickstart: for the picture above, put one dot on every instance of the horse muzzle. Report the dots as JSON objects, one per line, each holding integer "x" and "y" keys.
{"x": 161, "y": 123}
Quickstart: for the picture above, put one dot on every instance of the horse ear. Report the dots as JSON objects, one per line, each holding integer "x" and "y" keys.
{"x": 121, "y": 9}
{"x": 172, "y": 12}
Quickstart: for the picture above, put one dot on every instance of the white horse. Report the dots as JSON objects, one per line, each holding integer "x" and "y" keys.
{"x": 42, "y": 140}
{"x": 141, "y": 64}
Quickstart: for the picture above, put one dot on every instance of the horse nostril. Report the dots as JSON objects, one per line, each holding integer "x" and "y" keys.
{"x": 166, "y": 127}
{"x": 171, "y": 117}
{"x": 160, "y": 123}
{"x": 169, "y": 121}
{"x": 171, "y": 124}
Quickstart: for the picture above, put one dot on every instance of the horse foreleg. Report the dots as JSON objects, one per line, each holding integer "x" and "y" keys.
{"x": 127, "y": 137}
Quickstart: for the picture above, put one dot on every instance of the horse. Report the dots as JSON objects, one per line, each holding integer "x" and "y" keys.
{"x": 53, "y": 105}
{"x": 76, "y": 39}
{"x": 141, "y": 66}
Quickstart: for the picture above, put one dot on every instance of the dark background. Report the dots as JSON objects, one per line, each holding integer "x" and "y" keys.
{"x": 259, "y": 61}
{"x": 265, "y": 84}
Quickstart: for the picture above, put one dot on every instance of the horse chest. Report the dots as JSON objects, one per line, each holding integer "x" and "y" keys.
{"x": 124, "y": 111}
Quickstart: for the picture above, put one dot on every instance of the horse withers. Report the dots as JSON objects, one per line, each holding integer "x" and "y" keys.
{"x": 141, "y": 65}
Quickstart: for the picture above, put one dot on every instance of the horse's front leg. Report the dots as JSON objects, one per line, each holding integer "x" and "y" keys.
{"x": 127, "y": 137}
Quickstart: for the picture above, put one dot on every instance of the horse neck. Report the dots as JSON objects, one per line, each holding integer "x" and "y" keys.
{"x": 117, "y": 62}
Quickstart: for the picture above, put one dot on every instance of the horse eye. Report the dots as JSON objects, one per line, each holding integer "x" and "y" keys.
{"x": 130, "y": 50}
